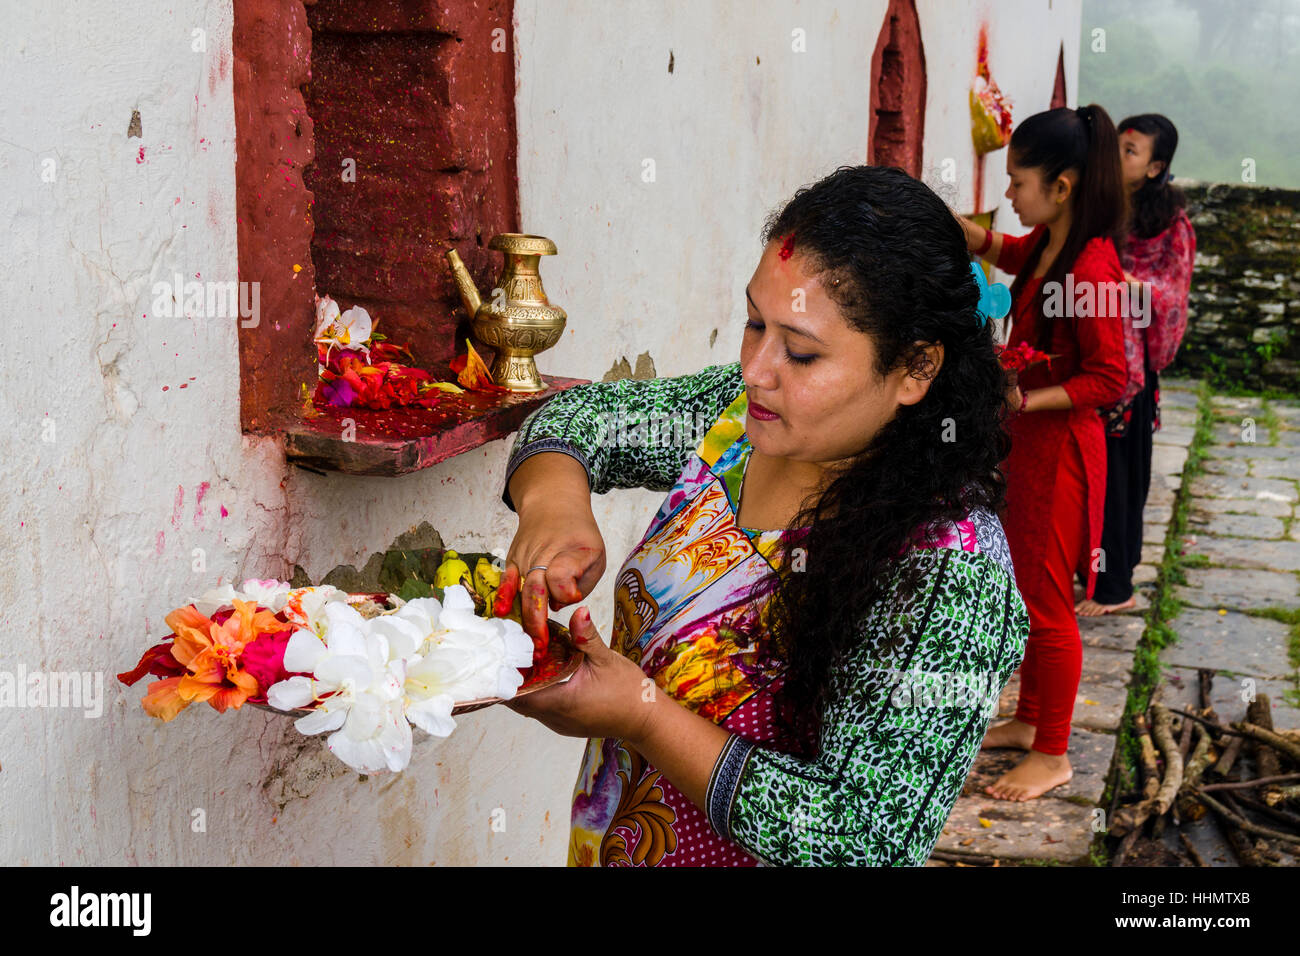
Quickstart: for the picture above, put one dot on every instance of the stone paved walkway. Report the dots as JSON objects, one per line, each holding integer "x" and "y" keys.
{"x": 1246, "y": 545}
{"x": 1244, "y": 541}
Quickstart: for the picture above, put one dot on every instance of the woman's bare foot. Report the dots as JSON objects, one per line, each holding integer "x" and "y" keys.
{"x": 1011, "y": 733}
{"x": 1090, "y": 608}
{"x": 1036, "y": 774}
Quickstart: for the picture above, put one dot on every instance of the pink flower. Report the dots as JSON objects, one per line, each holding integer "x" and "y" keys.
{"x": 264, "y": 659}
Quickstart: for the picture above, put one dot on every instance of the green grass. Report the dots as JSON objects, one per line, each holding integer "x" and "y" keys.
{"x": 1157, "y": 635}
{"x": 1216, "y": 376}
{"x": 1291, "y": 618}
{"x": 1270, "y": 421}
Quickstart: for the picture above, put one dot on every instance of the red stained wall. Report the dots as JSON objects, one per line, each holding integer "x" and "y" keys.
{"x": 898, "y": 91}
{"x": 273, "y": 139}
{"x": 415, "y": 95}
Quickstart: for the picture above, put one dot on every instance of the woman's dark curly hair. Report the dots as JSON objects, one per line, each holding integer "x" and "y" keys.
{"x": 894, "y": 260}
{"x": 1157, "y": 200}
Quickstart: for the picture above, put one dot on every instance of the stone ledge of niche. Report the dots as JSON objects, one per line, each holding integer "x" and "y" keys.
{"x": 399, "y": 441}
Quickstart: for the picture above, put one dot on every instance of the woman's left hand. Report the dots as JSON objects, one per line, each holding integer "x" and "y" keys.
{"x": 608, "y": 695}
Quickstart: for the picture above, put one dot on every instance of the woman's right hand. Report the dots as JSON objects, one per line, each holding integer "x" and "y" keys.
{"x": 1013, "y": 399}
{"x": 569, "y": 544}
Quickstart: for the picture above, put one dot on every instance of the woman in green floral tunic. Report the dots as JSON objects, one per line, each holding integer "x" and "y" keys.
{"x": 811, "y": 635}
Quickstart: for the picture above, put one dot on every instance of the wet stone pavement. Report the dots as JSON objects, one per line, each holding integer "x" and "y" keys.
{"x": 1243, "y": 543}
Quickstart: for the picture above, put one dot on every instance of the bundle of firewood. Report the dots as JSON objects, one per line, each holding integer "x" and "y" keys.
{"x": 1246, "y": 773}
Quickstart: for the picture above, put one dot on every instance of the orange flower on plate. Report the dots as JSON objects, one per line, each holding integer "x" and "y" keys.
{"x": 162, "y": 700}
{"x": 210, "y": 652}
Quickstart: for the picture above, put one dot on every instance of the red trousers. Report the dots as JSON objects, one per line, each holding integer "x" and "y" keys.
{"x": 1049, "y": 675}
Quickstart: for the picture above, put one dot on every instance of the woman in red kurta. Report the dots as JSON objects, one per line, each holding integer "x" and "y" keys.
{"x": 1066, "y": 301}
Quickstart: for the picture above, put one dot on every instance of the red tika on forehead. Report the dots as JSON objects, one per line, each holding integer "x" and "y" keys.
{"x": 787, "y": 248}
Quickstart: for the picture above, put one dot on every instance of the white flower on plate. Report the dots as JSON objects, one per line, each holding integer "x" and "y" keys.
{"x": 214, "y": 599}
{"x": 269, "y": 593}
{"x": 372, "y": 679}
{"x": 306, "y": 606}
{"x": 355, "y": 687}
{"x": 462, "y": 657}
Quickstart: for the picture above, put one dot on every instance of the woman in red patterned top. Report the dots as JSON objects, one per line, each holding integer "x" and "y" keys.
{"x": 1066, "y": 301}
{"x": 1159, "y": 252}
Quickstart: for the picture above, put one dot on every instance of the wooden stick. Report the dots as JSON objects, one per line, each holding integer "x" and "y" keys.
{"x": 1216, "y": 727}
{"x": 1201, "y": 757}
{"x": 1150, "y": 772}
{"x": 1173, "y": 777}
{"x": 1242, "y": 848}
{"x": 1231, "y": 801}
{"x": 1185, "y": 738}
{"x": 1126, "y": 844}
{"x": 1224, "y": 766}
{"x": 1164, "y": 799}
{"x": 1244, "y": 823}
{"x": 1277, "y": 741}
{"x": 1249, "y": 784}
{"x": 948, "y": 856}
{"x": 1128, "y": 821}
{"x": 1242, "y": 844}
{"x": 1205, "y": 682}
{"x": 1260, "y": 713}
{"x": 1191, "y": 850}
{"x": 1195, "y": 767}
{"x": 1282, "y": 816}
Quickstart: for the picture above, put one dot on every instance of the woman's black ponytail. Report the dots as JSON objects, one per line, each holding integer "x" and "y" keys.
{"x": 1083, "y": 140}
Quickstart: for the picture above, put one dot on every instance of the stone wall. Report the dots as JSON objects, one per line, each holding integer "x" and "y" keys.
{"x": 1243, "y": 324}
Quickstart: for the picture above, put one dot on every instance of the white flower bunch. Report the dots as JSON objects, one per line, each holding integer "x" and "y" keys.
{"x": 372, "y": 679}
{"x": 269, "y": 593}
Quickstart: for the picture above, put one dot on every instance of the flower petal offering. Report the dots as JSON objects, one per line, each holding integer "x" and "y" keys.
{"x": 364, "y": 668}
{"x": 358, "y": 368}
{"x": 990, "y": 110}
{"x": 1022, "y": 355}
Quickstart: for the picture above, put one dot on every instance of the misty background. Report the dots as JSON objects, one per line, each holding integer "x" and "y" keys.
{"x": 1226, "y": 72}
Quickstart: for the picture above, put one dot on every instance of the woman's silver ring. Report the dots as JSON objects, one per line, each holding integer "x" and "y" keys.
{"x": 534, "y": 568}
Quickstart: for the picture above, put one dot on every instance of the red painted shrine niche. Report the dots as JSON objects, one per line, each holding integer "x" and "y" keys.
{"x": 372, "y": 136}
{"x": 1059, "y": 98}
{"x": 898, "y": 91}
